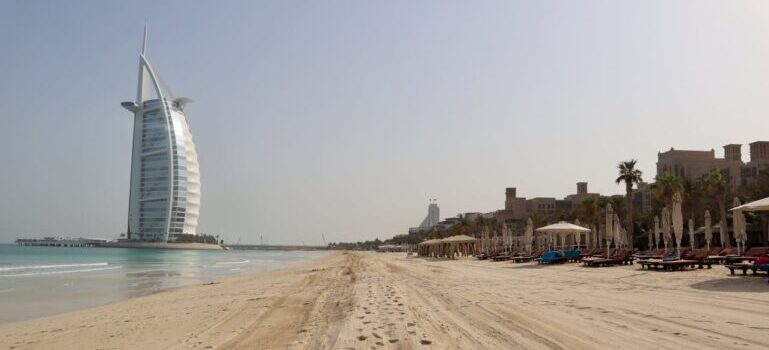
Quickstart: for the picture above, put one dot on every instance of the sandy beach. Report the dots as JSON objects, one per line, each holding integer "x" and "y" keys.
{"x": 353, "y": 300}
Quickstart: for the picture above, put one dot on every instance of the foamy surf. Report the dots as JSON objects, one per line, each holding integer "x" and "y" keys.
{"x": 45, "y": 267}
{"x": 57, "y": 272}
{"x": 244, "y": 261}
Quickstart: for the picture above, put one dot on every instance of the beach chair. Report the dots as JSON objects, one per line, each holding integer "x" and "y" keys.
{"x": 573, "y": 255}
{"x": 647, "y": 254}
{"x": 722, "y": 255}
{"x": 745, "y": 262}
{"x": 550, "y": 257}
{"x": 599, "y": 252}
{"x": 688, "y": 258}
{"x": 526, "y": 257}
{"x": 504, "y": 256}
{"x": 619, "y": 257}
{"x": 749, "y": 255}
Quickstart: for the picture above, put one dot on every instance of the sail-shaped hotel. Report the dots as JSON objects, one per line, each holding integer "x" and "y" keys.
{"x": 165, "y": 181}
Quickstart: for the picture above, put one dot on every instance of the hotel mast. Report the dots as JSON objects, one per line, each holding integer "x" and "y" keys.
{"x": 164, "y": 196}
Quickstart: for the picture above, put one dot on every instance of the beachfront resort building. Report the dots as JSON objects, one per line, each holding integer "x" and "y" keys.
{"x": 520, "y": 208}
{"x": 432, "y": 218}
{"x": 696, "y": 164}
{"x": 164, "y": 198}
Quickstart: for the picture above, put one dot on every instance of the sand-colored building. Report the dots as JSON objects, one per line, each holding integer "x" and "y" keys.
{"x": 696, "y": 164}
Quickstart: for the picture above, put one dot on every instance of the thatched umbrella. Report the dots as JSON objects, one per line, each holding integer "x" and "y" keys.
{"x": 657, "y": 232}
{"x": 691, "y": 233}
{"x": 708, "y": 229}
{"x": 666, "y": 227}
{"x": 740, "y": 234}
{"x": 609, "y": 227}
{"x": 678, "y": 220}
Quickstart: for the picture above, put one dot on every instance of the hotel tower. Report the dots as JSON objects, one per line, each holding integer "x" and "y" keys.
{"x": 164, "y": 197}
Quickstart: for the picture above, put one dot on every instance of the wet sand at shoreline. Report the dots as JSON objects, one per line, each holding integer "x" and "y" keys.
{"x": 363, "y": 300}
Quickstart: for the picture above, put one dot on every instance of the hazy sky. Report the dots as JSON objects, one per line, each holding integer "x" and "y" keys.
{"x": 345, "y": 117}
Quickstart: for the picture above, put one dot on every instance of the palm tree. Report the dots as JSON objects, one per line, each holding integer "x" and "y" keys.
{"x": 717, "y": 186}
{"x": 692, "y": 192}
{"x": 665, "y": 186}
{"x": 630, "y": 176}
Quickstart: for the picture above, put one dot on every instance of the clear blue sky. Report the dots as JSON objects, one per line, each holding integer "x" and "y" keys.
{"x": 344, "y": 117}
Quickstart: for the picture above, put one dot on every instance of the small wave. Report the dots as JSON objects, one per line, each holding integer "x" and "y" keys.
{"x": 61, "y": 272}
{"x": 47, "y": 267}
{"x": 244, "y": 261}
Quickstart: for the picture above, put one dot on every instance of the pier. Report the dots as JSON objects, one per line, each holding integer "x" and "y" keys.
{"x": 60, "y": 242}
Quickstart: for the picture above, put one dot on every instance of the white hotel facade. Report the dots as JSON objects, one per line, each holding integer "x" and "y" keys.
{"x": 164, "y": 198}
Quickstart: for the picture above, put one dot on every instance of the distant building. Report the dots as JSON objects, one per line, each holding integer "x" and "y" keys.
{"x": 643, "y": 197}
{"x": 540, "y": 205}
{"x": 515, "y": 207}
{"x": 432, "y": 218}
{"x": 582, "y": 194}
{"x": 697, "y": 164}
{"x": 759, "y": 161}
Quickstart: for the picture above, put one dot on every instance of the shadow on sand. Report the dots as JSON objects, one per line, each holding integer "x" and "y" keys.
{"x": 752, "y": 284}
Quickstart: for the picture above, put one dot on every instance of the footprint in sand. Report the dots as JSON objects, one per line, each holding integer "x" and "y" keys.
{"x": 362, "y": 337}
{"x": 411, "y": 324}
{"x": 393, "y": 340}
{"x": 425, "y": 342}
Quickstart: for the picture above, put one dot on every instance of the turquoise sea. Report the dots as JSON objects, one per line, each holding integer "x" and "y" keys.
{"x": 40, "y": 281}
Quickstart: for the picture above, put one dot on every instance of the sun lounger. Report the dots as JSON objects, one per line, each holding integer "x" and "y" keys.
{"x": 504, "y": 256}
{"x": 749, "y": 255}
{"x": 723, "y": 254}
{"x": 525, "y": 258}
{"x": 619, "y": 257}
{"x": 573, "y": 255}
{"x": 594, "y": 252}
{"x": 550, "y": 257}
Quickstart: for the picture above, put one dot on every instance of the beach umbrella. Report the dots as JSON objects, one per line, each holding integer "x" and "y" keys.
{"x": 678, "y": 220}
{"x": 504, "y": 237}
{"x": 740, "y": 234}
{"x": 650, "y": 244}
{"x": 617, "y": 232}
{"x": 759, "y": 205}
{"x": 691, "y": 233}
{"x": 577, "y": 235}
{"x": 529, "y": 234}
{"x": 657, "y": 232}
{"x": 609, "y": 232}
{"x": 723, "y": 233}
{"x": 666, "y": 227}
{"x": 708, "y": 229}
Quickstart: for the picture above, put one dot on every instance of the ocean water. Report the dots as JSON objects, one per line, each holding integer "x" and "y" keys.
{"x": 40, "y": 281}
